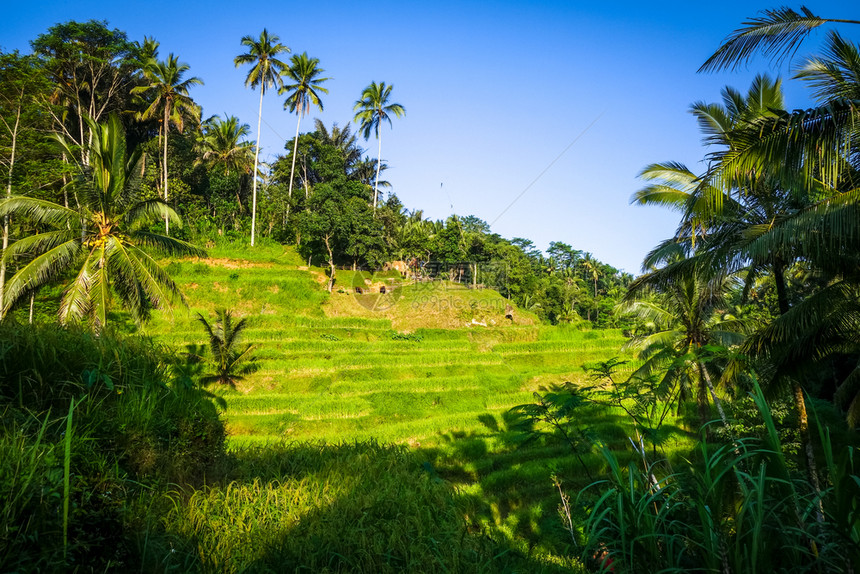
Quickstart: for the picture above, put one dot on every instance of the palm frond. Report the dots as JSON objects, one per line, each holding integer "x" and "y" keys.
{"x": 39, "y": 243}
{"x": 39, "y": 211}
{"x": 818, "y": 326}
{"x": 776, "y": 34}
{"x": 800, "y": 149}
{"x": 40, "y": 270}
{"x": 100, "y": 291}
{"x": 146, "y": 212}
{"x": 824, "y": 232}
{"x": 137, "y": 271}
{"x": 836, "y": 73}
{"x": 76, "y": 302}
{"x": 166, "y": 245}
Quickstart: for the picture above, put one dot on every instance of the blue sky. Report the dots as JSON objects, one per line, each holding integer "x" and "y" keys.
{"x": 494, "y": 92}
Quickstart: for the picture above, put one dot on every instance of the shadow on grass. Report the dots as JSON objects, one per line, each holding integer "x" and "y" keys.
{"x": 504, "y": 474}
{"x": 311, "y": 507}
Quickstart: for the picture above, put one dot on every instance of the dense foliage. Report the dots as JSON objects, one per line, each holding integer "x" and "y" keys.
{"x": 321, "y": 193}
{"x": 749, "y": 309}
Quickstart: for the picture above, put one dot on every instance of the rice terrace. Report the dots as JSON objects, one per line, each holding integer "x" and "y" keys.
{"x": 228, "y": 348}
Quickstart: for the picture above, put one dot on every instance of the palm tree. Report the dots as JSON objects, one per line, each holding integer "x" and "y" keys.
{"x": 230, "y": 363}
{"x": 104, "y": 240}
{"x": 728, "y": 224}
{"x": 812, "y": 154}
{"x": 806, "y": 148}
{"x": 221, "y": 148}
{"x": 265, "y": 72}
{"x": 365, "y": 172}
{"x": 221, "y": 145}
{"x": 305, "y": 73}
{"x": 147, "y": 53}
{"x": 341, "y": 138}
{"x": 371, "y": 110}
{"x": 684, "y": 314}
{"x": 171, "y": 99}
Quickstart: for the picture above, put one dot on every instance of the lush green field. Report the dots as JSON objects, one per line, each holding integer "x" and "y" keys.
{"x": 346, "y": 367}
{"x": 354, "y": 375}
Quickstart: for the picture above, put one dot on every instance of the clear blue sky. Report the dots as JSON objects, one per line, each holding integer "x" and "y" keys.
{"x": 494, "y": 92}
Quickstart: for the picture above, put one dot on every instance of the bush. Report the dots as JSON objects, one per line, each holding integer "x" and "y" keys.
{"x": 739, "y": 507}
{"x": 130, "y": 431}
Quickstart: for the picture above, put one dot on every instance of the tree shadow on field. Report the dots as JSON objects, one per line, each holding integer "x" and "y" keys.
{"x": 505, "y": 473}
{"x": 351, "y": 507}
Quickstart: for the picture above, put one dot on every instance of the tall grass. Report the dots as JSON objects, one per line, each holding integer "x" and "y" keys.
{"x": 87, "y": 422}
{"x": 737, "y": 508}
{"x": 349, "y": 507}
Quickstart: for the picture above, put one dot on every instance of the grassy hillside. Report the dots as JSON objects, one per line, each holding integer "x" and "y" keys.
{"x": 367, "y": 410}
{"x": 347, "y": 366}
{"x": 435, "y": 367}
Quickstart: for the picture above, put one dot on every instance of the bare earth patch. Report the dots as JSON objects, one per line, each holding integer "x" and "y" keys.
{"x": 230, "y": 263}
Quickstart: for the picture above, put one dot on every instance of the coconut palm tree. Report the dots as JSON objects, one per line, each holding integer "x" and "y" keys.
{"x": 727, "y": 225}
{"x": 806, "y": 149}
{"x": 341, "y": 138}
{"x": 104, "y": 240}
{"x": 684, "y": 314}
{"x": 365, "y": 172}
{"x": 170, "y": 99}
{"x": 221, "y": 145}
{"x": 305, "y": 91}
{"x": 230, "y": 362}
{"x": 221, "y": 148}
{"x": 265, "y": 73}
{"x": 372, "y": 109}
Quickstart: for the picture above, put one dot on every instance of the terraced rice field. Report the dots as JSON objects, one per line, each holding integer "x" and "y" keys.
{"x": 343, "y": 368}
{"x": 339, "y": 378}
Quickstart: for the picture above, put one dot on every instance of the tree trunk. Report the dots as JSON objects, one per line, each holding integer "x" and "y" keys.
{"x": 293, "y": 169}
{"x": 65, "y": 183}
{"x": 6, "y": 219}
{"x": 781, "y": 294}
{"x": 166, "y": 119}
{"x": 717, "y": 402}
{"x": 32, "y": 304}
{"x": 256, "y": 159}
{"x": 811, "y": 467}
{"x": 305, "y": 181}
{"x": 330, "y": 262}
{"x": 378, "y": 165}
{"x": 799, "y": 401}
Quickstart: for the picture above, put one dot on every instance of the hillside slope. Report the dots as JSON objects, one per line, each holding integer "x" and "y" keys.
{"x": 343, "y": 366}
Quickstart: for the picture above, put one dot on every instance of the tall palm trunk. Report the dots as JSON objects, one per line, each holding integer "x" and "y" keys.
{"x": 714, "y": 397}
{"x": 779, "y": 279}
{"x": 6, "y": 218}
{"x": 254, "y": 175}
{"x": 378, "y": 164}
{"x": 797, "y": 392}
{"x": 806, "y": 441}
{"x": 332, "y": 270}
{"x": 164, "y": 165}
{"x": 293, "y": 169}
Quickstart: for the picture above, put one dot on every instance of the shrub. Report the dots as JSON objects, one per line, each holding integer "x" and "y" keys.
{"x": 131, "y": 431}
{"x": 738, "y": 508}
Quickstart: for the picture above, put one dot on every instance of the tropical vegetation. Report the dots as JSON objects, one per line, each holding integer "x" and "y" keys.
{"x": 384, "y": 392}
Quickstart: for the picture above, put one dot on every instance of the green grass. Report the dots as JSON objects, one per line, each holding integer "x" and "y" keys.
{"x": 413, "y": 370}
{"x": 349, "y": 507}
